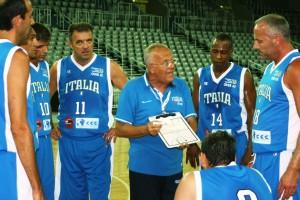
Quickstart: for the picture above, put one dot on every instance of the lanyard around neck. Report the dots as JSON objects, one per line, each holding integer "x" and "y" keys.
{"x": 159, "y": 96}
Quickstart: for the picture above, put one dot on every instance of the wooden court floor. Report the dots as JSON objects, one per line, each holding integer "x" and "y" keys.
{"x": 120, "y": 183}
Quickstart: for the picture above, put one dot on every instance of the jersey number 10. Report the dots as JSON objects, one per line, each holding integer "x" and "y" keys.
{"x": 45, "y": 109}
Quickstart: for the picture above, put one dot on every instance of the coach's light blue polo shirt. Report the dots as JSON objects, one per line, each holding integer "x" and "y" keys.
{"x": 139, "y": 101}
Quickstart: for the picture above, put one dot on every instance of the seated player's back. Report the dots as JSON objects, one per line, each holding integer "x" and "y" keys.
{"x": 231, "y": 182}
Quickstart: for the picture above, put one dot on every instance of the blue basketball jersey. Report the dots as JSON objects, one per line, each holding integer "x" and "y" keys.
{"x": 221, "y": 101}
{"x": 276, "y": 123}
{"x": 6, "y": 140}
{"x": 14, "y": 182}
{"x": 40, "y": 88}
{"x": 231, "y": 182}
{"x": 85, "y": 96}
{"x": 6, "y": 53}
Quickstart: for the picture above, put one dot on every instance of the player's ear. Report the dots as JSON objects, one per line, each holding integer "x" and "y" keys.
{"x": 203, "y": 161}
{"x": 16, "y": 21}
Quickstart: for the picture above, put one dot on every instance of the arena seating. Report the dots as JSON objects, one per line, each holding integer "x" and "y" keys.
{"x": 122, "y": 31}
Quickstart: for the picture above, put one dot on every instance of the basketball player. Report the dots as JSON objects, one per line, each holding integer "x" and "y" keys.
{"x": 276, "y": 122}
{"x": 154, "y": 169}
{"x": 83, "y": 81}
{"x": 39, "y": 72}
{"x": 224, "y": 95}
{"x": 31, "y": 111}
{"x": 221, "y": 177}
{"x": 19, "y": 177}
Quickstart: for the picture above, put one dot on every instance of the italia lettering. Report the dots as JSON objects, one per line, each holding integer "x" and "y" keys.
{"x": 265, "y": 91}
{"x": 217, "y": 97}
{"x": 89, "y": 85}
{"x": 40, "y": 87}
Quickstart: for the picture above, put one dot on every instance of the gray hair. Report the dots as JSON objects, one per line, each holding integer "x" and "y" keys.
{"x": 150, "y": 48}
{"x": 277, "y": 24}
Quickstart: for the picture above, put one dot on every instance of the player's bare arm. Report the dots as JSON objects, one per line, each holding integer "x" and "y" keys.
{"x": 196, "y": 92}
{"x": 289, "y": 180}
{"x": 130, "y": 131}
{"x": 53, "y": 79}
{"x": 186, "y": 188}
{"x": 55, "y": 133}
{"x": 118, "y": 77}
{"x": 249, "y": 100}
{"x": 193, "y": 150}
{"x": 17, "y": 82}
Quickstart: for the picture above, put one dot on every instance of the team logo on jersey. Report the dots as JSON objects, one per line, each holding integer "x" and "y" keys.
{"x": 87, "y": 123}
{"x": 276, "y": 76}
{"x": 45, "y": 73}
{"x": 97, "y": 71}
{"x": 146, "y": 101}
{"x": 69, "y": 122}
{"x": 230, "y": 82}
{"x": 39, "y": 125}
{"x": 177, "y": 100}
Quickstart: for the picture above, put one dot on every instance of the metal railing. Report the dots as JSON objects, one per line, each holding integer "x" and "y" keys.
{"x": 42, "y": 15}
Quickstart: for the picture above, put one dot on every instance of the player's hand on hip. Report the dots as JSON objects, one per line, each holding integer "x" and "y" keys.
{"x": 288, "y": 183}
{"x": 154, "y": 127}
{"x": 55, "y": 133}
{"x": 110, "y": 135}
{"x": 192, "y": 155}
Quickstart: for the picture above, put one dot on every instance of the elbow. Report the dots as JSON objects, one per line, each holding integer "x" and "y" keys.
{"x": 20, "y": 129}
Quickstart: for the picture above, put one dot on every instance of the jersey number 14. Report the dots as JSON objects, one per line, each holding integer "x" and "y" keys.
{"x": 216, "y": 119}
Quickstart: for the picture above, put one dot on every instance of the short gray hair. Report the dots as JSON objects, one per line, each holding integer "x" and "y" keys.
{"x": 277, "y": 24}
{"x": 150, "y": 48}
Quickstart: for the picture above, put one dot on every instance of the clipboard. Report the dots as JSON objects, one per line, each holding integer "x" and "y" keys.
{"x": 175, "y": 130}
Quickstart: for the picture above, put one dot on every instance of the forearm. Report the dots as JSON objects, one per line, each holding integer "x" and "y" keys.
{"x": 192, "y": 122}
{"x": 295, "y": 160}
{"x": 25, "y": 148}
{"x": 130, "y": 131}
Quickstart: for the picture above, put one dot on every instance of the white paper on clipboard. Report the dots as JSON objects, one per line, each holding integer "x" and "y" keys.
{"x": 175, "y": 130}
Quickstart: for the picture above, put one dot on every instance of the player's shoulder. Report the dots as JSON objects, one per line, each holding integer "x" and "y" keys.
{"x": 136, "y": 82}
{"x": 238, "y": 67}
{"x": 295, "y": 62}
{"x": 179, "y": 82}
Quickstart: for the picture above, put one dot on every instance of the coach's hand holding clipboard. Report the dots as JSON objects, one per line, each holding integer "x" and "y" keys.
{"x": 175, "y": 131}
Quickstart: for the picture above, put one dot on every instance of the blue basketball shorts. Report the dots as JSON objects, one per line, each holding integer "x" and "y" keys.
{"x": 45, "y": 163}
{"x": 14, "y": 183}
{"x": 83, "y": 169}
{"x": 272, "y": 165}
